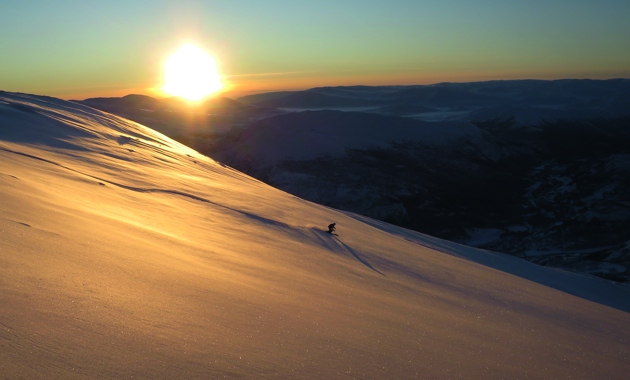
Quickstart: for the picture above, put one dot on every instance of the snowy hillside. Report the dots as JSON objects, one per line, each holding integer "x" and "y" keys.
{"x": 124, "y": 254}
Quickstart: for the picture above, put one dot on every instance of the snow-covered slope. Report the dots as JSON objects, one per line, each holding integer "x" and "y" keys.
{"x": 124, "y": 254}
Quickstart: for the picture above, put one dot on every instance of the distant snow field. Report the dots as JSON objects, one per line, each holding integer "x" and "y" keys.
{"x": 124, "y": 254}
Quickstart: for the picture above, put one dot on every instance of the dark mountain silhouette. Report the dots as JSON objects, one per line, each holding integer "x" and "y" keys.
{"x": 180, "y": 119}
{"x": 134, "y": 102}
{"x": 567, "y": 97}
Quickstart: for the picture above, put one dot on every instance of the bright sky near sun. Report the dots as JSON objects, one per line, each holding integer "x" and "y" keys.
{"x": 191, "y": 73}
{"x": 78, "y": 49}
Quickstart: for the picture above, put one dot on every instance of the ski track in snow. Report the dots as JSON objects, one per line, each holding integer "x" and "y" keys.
{"x": 598, "y": 290}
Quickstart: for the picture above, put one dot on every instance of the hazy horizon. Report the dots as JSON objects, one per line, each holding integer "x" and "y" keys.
{"x": 72, "y": 49}
{"x": 237, "y": 94}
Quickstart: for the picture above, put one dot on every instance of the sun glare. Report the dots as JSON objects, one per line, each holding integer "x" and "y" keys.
{"x": 191, "y": 73}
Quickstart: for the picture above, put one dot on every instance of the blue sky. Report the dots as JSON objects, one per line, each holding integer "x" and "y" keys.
{"x": 72, "y": 48}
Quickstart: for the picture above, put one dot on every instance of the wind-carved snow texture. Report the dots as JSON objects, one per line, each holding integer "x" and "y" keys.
{"x": 125, "y": 254}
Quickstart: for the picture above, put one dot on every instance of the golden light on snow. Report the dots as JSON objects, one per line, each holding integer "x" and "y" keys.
{"x": 161, "y": 254}
{"x": 191, "y": 73}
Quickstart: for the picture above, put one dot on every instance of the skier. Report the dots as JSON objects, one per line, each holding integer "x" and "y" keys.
{"x": 331, "y": 228}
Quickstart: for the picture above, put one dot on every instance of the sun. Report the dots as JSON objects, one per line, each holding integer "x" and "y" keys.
{"x": 191, "y": 73}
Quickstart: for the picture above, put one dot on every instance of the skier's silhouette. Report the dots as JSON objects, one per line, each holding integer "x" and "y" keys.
{"x": 331, "y": 228}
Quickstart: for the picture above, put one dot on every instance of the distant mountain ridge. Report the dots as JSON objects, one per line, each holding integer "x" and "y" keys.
{"x": 528, "y": 101}
{"x": 135, "y": 101}
{"x": 179, "y": 118}
{"x": 602, "y": 98}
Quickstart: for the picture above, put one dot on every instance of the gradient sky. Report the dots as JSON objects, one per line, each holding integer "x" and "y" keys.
{"x": 78, "y": 48}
